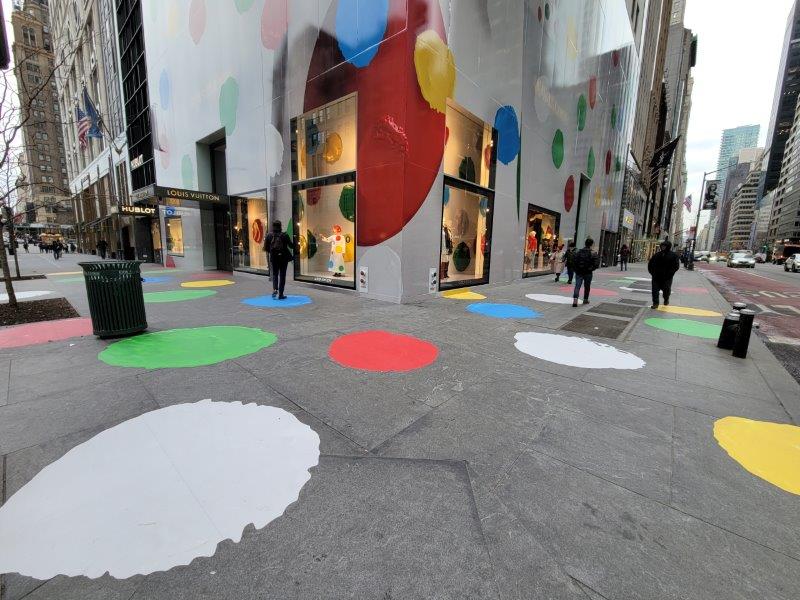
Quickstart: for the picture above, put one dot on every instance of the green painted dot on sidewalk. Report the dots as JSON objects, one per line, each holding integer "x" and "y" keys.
{"x": 699, "y": 329}
{"x": 192, "y": 347}
{"x": 176, "y": 296}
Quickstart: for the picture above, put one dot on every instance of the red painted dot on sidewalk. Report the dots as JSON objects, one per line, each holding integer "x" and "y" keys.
{"x": 382, "y": 351}
{"x": 43, "y": 332}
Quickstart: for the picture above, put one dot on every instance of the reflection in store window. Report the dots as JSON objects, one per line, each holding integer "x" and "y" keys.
{"x": 541, "y": 240}
{"x": 250, "y": 227}
{"x": 324, "y": 225}
{"x": 155, "y": 233}
{"x": 324, "y": 140}
{"x": 469, "y": 152}
{"x": 466, "y": 237}
{"x": 174, "y": 235}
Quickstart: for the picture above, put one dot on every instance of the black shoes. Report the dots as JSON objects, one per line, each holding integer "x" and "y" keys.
{"x": 275, "y": 294}
{"x": 654, "y": 306}
{"x": 574, "y": 303}
{"x": 281, "y": 297}
{"x": 586, "y": 301}
{"x": 666, "y": 302}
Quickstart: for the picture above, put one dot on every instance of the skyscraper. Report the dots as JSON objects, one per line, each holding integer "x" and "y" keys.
{"x": 733, "y": 140}
{"x": 787, "y": 88}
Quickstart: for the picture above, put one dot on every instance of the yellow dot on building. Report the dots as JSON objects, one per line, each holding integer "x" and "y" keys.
{"x": 436, "y": 69}
{"x": 686, "y": 310}
{"x": 463, "y": 294}
{"x": 770, "y": 451}
{"x": 207, "y": 283}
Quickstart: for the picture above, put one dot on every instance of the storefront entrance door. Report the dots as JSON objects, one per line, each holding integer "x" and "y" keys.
{"x": 222, "y": 237}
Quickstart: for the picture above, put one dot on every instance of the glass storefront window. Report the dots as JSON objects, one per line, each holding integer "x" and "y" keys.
{"x": 174, "y": 227}
{"x": 324, "y": 231}
{"x": 466, "y": 236}
{"x": 250, "y": 227}
{"x": 324, "y": 140}
{"x": 469, "y": 152}
{"x": 541, "y": 240}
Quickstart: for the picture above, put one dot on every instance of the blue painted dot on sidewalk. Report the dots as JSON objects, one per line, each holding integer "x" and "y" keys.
{"x": 156, "y": 279}
{"x": 270, "y": 302}
{"x": 503, "y": 311}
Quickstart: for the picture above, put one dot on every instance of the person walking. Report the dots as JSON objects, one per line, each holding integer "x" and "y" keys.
{"x": 557, "y": 261}
{"x": 569, "y": 261}
{"x": 586, "y": 261}
{"x": 662, "y": 268}
{"x": 57, "y": 247}
{"x": 25, "y": 246}
{"x": 278, "y": 246}
{"x": 102, "y": 248}
{"x": 624, "y": 253}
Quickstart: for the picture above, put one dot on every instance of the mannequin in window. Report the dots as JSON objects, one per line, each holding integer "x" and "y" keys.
{"x": 338, "y": 248}
{"x": 447, "y": 250}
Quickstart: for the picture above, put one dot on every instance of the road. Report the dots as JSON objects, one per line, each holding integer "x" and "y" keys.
{"x": 775, "y": 295}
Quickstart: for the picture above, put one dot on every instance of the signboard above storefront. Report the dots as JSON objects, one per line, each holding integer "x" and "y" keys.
{"x": 155, "y": 193}
{"x": 146, "y": 211}
{"x": 627, "y": 219}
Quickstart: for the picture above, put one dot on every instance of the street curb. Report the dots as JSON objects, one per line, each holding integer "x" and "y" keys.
{"x": 778, "y": 379}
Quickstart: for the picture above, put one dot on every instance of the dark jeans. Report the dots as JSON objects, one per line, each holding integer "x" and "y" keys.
{"x": 623, "y": 264}
{"x": 664, "y": 286}
{"x": 584, "y": 280}
{"x": 570, "y": 274}
{"x": 278, "y": 272}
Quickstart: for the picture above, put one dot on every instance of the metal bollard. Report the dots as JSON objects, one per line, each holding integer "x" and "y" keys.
{"x": 742, "y": 341}
{"x": 727, "y": 335}
{"x": 738, "y": 306}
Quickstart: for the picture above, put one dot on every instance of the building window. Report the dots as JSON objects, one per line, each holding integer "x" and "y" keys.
{"x": 250, "y": 227}
{"x": 28, "y": 36}
{"x": 467, "y": 200}
{"x": 324, "y": 193}
{"x": 541, "y": 240}
{"x": 174, "y": 227}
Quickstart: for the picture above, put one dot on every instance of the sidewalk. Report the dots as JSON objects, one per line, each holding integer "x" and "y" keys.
{"x": 489, "y": 473}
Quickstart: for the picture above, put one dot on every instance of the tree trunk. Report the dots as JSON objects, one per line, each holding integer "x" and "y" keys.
{"x": 12, "y": 298}
{"x": 12, "y": 235}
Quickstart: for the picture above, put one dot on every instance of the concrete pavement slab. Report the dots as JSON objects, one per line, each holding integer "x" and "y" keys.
{"x": 723, "y": 372}
{"x": 624, "y": 545}
{"x": 362, "y": 528}
{"x": 710, "y": 485}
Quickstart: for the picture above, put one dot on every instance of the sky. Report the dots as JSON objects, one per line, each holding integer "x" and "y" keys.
{"x": 738, "y": 54}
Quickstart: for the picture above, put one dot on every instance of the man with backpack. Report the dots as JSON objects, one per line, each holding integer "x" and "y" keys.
{"x": 278, "y": 246}
{"x": 662, "y": 267}
{"x": 586, "y": 262}
{"x": 569, "y": 261}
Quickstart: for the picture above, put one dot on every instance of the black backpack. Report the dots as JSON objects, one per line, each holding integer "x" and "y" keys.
{"x": 277, "y": 247}
{"x": 584, "y": 261}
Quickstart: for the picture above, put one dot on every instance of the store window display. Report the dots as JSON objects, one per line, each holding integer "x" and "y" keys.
{"x": 250, "y": 227}
{"x": 174, "y": 228}
{"x": 466, "y": 238}
{"x": 324, "y": 227}
{"x": 541, "y": 240}
{"x": 324, "y": 193}
{"x": 467, "y": 199}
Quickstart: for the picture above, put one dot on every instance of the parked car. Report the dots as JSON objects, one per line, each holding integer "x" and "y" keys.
{"x": 722, "y": 257}
{"x": 742, "y": 259}
{"x": 761, "y": 258}
{"x": 792, "y": 263}
{"x": 701, "y": 256}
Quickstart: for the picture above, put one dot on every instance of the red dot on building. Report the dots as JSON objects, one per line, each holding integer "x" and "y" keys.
{"x": 382, "y": 351}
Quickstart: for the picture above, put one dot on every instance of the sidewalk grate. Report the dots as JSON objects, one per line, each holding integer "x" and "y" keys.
{"x": 633, "y": 302}
{"x": 596, "y": 325}
{"x": 617, "y": 310}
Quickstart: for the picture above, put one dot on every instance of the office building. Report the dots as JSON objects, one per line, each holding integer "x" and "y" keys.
{"x": 787, "y": 88}
{"x": 743, "y": 209}
{"x": 784, "y": 224}
{"x": 88, "y": 91}
{"x": 739, "y": 167}
{"x": 43, "y": 187}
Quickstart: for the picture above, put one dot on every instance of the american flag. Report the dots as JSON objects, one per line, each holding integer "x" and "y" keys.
{"x": 688, "y": 203}
{"x": 84, "y": 124}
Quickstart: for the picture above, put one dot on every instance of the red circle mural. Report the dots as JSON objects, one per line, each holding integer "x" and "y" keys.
{"x": 257, "y": 231}
{"x": 569, "y": 193}
{"x": 592, "y": 92}
{"x": 393, "y": 180}
{"x": 382, "y": 351}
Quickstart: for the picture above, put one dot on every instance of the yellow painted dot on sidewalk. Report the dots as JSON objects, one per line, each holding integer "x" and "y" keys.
{"x": 686, "y": 310}
{"x": 770, "y": 451}
{"x": 207, "y": 283}
{"x": 66, "y": 273}
{"x": 463, "y": 294}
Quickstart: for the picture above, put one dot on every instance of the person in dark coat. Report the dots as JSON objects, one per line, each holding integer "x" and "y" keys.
{"x": 624, "y": 254}
{"x": 569, "y": 261}
{"x": 278, "y": 246}
{"x": 586, "y": 261}
{"x": 662, "y": 267}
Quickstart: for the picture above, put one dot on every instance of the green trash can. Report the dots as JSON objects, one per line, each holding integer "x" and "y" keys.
{"x": 116, "y": 302}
